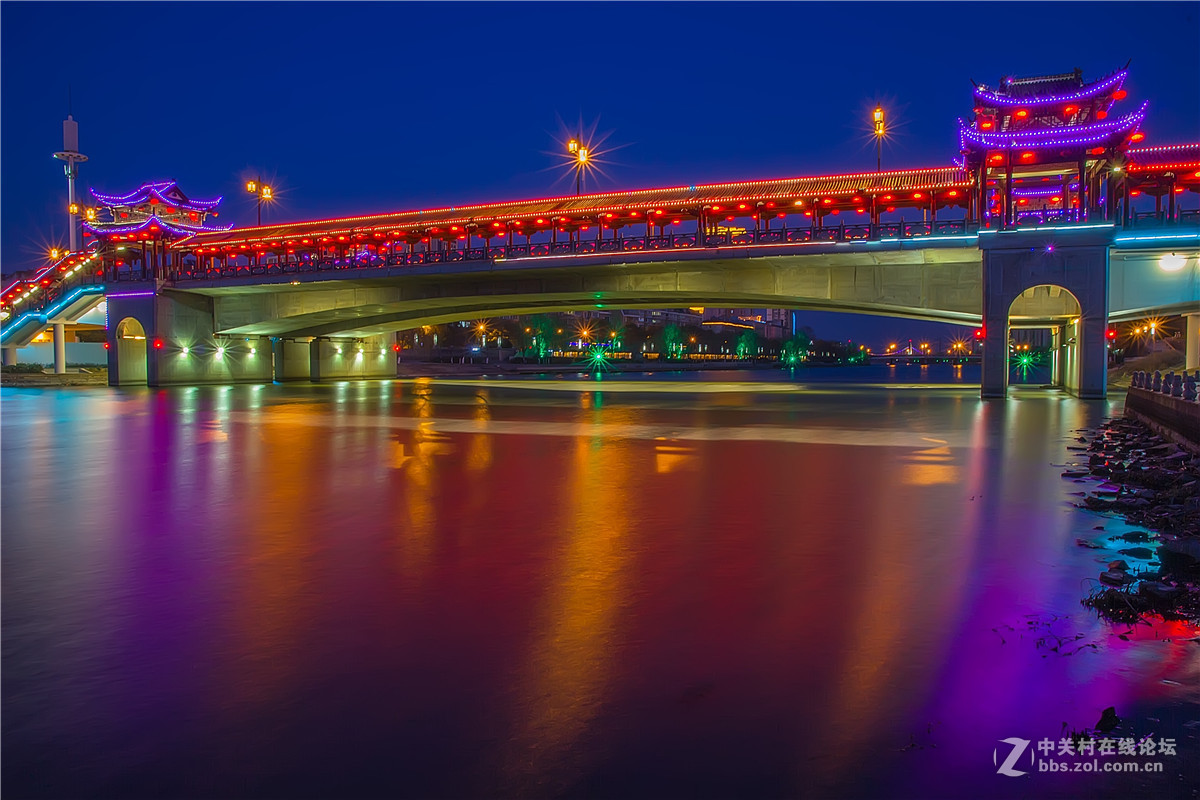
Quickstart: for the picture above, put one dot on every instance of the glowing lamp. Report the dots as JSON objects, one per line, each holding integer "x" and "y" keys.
{"x": 741, "y": 206}
{"x": 1027, "y": 155}
{"x": 396, "y": 348}
{"x": 985, "y": 125}
{"x": 583, "y": 155}
{"x": 997, "y": 158}
{"x": 1096, "y": 151}
{"x": 1120, "y": 94}
{"x": 827, "y": 201}
{"x": 54, "y": 252}
{"x": 90, "y": 214}
{"x": 572, "y": 146}
{"x": 1111, "y": 333}
{"x": 266, "y": 193}
{"x": 1137, "y": 137}
{"x": 952, "y": 193}
{"x": 1101, "y": 114}
{"x": 1021, "y": 113}
{"x": 1055, "y": 199}
{"x": 73, "y": 209}
{"x": 917, "y": 195}
{"x": 1071, "y": 110}
{"x": 251, "y": 187}
{"x": 158, "y": 343}
{"x": 1172, "y": 262}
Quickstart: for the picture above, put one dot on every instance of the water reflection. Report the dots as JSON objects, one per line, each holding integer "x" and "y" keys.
{"x": 424, "y": 588}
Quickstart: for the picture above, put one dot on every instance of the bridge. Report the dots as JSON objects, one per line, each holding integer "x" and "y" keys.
{"x": 1046, "y": 227}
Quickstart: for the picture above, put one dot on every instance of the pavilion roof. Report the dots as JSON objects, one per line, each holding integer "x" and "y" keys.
{"x": 688, "y": 200}
{"x": 151, "y": 224}
{"x": 1049, "y": 89}
{"x": 167, "y": 192}
{"x": 1094, "y": 133}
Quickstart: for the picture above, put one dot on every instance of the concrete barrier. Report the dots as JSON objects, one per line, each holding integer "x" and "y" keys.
{"x": 1168, "y": 404}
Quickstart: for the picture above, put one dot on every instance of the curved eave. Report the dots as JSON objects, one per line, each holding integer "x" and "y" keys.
{"x": 1092, "y": 134}
{"x": 1097, "y": 90}
{"x": 153, "y": 225}
{"x": 144, "y": 193}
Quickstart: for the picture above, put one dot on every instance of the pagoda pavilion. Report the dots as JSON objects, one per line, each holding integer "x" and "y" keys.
{"x": 1051, "y": 146}
{"x": 141, "y": 226}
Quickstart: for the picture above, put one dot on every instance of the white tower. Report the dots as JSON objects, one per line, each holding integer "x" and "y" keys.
{"x": 71, "y": 155}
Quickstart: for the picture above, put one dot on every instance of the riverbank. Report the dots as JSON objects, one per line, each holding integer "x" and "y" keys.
{"x": 88, "y": 377}
{"x": 1153, "y": 483}
{"x": 424, "y": 369}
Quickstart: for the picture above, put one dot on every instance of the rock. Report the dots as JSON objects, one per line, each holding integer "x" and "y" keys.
{"x": 1108, "y": 720}
{"x": 1189, "y": 547}
{"x": 1144, "y": 553}
{"x": 1118, "y": 565}
{"x": 1158, "y": 590}
{"x": 1115, "y": 578}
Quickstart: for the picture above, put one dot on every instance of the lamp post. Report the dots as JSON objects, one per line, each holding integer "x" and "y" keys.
{"x": 579, "y": 154}
{"x": 879, "y": 130}
{"x": 261, "y": 192}
{"x": 73, "y": 158}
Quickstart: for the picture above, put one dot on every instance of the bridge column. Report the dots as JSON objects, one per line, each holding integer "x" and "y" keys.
{"x": 1076, "y": 260}
{"x": 1056, "y": 356}
{"x": 314, "y": 360}
{"x": 1191, "y": 346}
{"x": 60, "y": 348}
{"x": 10, "y": 356}
{"x": 994, "y": 381}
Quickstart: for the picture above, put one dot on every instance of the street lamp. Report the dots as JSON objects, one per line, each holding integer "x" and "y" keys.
{"x": 579, "y": 155}
{"x": 261, "y": 192}
{"x": 879, "y": 130}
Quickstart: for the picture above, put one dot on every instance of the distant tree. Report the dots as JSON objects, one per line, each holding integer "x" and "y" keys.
{"x": 747, "y": 344}
{"x": 672, "y": 339}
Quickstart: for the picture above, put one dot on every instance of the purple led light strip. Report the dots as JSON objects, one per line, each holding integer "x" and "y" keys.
{"x": 147, "y": 190}
{"x": 989, "y": 95}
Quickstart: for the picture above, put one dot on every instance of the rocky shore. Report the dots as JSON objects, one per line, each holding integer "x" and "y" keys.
{"x": 1152, "y": 483}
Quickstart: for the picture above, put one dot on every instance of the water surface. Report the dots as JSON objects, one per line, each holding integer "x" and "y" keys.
{"x": 451, "y": 589}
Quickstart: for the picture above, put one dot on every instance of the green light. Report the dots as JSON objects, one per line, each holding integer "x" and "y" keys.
{"x": 597, "y": 359}
{"x": 1025, "y": 360}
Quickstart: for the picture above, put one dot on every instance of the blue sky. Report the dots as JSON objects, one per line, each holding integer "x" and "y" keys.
{"x": 357, "y": 108}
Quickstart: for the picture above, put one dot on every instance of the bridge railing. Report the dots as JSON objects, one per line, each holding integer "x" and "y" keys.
{"x": 578, "y": 247}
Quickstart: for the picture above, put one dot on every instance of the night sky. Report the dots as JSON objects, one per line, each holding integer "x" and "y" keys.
{"x": 360, "y": 108}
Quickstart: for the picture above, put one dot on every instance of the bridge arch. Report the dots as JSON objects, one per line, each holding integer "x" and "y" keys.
{"x": 1054, "y": 307}
{"x": 1015, "y": 265}
{"x": 127, "y": 360}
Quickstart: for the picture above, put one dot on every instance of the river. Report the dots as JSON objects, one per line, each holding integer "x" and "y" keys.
{"x": 702, "y": 585}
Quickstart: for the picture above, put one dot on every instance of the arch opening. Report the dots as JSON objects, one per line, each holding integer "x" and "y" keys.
{"x": 1051, "y": 315}
{"x": 131, "y": 352}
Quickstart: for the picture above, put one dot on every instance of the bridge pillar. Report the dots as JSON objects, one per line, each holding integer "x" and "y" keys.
{"x": 1076, "y": 260}
{"x": 1191, "y": 347}
{"x": 314, "y": 360}
{"x": 1056, "y": 355}
{"x": 10, "y": 356}
{"x": 60, "y": 348}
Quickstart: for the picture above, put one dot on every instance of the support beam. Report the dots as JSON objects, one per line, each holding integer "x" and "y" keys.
{"x": 10, "y": 356}
{"x": 314, "y": 360}
{"x": 60, "y": 348}
{"x": 1191, "y": 347}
